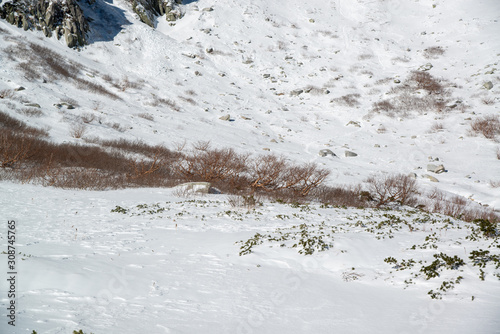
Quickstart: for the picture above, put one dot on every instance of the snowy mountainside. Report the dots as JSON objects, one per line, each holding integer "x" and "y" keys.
{"x": 399, "y": 83}
{"x": 251, "y": 60}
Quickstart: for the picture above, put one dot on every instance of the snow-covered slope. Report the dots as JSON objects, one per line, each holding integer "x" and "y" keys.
{"x": 244, "y": 59}
{"x": 295, "y": 78}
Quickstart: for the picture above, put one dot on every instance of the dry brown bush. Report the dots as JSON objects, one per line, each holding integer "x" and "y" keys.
{"x": 76, "y": 166}
{"x": 6, "y": 93}
{"x": 95, "y": 88}
{"x": 398, "y": 188}
{"x": 248, "y": 202}
{"x": 383, "y": 106}
{"x": 341, "y": 196}
{"x": 458, "y": 207}
{"x": 436, "y": 127}
{"x": 188, "y": 100}
{"x": 11, "y": 124}
{"x": 166, "y": 102}
{"x": 489, "y": 101}
{"x": 423, "y": 80}
{"x": 13, "y": 150}
{"x": 140, "y": 147}
{"x": 219, "y": 166}
{"x": 433, "y": 52}
{"x": 488, "y": 126}
{"x": 31, "y": 112}
{"x": 147, "y": 116}
{"x": 350, "y": 100}
{"x": 87, "y": 118}
{"x": 125, "y": 84}
{"x": 77, "y": 130}
{"x": 407, "y": 97}
{"x": 271, "y": 173}
{"x": 71, "y": 101}
{"x": 144, "y": 168}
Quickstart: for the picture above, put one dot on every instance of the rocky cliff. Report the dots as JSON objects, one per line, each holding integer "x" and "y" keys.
{"x": 62, "y": 18}
{"x": 66, "y": 19}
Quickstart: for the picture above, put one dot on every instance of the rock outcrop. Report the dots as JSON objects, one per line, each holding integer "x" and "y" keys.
{"x": 65, "y": 18}
{"x": 148, "y": 10}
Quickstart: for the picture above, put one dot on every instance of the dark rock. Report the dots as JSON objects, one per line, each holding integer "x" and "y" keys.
{"x": 64, "y": 16}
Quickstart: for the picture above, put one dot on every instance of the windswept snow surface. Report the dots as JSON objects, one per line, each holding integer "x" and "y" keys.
{"x": 179, "y": 271}
{"x": 171, "y": 265}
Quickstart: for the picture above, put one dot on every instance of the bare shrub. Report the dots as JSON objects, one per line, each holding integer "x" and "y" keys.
{"x": 107, "y": 78}
{"x": 433, "y": 52}
{"x": 13, "y": 150}
{"x": 489, "y": 101}
{"x": 95, "y": 88}
{"x": 248, "y": 202}
{"x": 144, "y": 168}
{"x": 71, "y": 101}
{"x": 494, "y": 184}
{"x": 36, "y": 60}
{"x": 6, "y": 93}
{"x": 87, "y": 118}
{"x": 158, "y": 101}
{"x": 9, "y": 123}
{"x": 58, "y": 65}
{"x": 31, "y": 112}
{"x": 498, "y": 153}
{"x": 382, "y": 129}
{"x": 384, "y": 81}
{"x": 216, "y": 52}
{"x": 125, "y": 84}
{"x": 383, "y": 106}
{"x": 436, "y": 127}
{"x": 350, "y": 100}
{"x": 188, "y": 100}
{"x": 140, "y": 147}
{"x": 77, "y": 130}
{"x": 398, "y": 188}
{"x": 488, "y": 126}
{"x": 191, "y": 92}
{"x": 29, "y": 73}
{"x": 365, "y": 56}
{"x": 147, "y": 116}
{"x": 341, "y": 196}
{"x": 407, "y": 97}
{"x": 83, "y": 167}
{"x": 96, "y": 105}
{"x": 220, "y": 166}
{"x": 328, "y": 33}
{"x": 271, "y": 173}
{"x": 458, "y": 207}
{"x": 424, "y": 80}
{"x": 313, "y": 90}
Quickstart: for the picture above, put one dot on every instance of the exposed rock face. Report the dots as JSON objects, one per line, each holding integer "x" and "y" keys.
{"x": 436, "y": 168}
{"x": 64, "y": 18}
{"x": 326, "y": 152}
{"x": 149, "y": 9}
